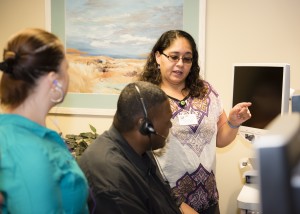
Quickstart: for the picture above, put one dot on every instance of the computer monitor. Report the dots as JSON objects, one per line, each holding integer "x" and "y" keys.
{"x": 278, "y": 162}
{"x": 267, "y": 87}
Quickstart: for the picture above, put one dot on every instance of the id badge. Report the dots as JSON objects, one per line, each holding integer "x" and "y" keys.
{"x": 188, "y": 119}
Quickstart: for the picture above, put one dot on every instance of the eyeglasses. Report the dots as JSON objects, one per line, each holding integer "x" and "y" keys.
{"x": 175, "y": 58}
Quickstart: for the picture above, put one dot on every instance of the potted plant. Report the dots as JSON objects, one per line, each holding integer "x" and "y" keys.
{"x": 78, "y": 143}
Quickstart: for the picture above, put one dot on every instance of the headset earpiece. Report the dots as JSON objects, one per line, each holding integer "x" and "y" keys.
{"x": 57, "y": 84}
{"x": 146, "y": 127}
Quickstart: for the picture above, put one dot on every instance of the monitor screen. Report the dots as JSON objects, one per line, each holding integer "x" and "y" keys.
{"x": 267, "y": 87}
{"x": 278, "y": 162}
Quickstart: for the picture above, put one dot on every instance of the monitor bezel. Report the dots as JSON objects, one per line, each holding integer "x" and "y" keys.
{"x": 252, "y": 133}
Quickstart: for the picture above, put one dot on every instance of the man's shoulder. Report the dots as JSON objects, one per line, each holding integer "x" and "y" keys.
{"x": 103, "y": 153}
{"x": 101, "y": 148}
{"x": 106, "y": 166}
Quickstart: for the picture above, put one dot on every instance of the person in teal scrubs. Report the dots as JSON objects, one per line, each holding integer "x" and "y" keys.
{"x": 38, "y": 174}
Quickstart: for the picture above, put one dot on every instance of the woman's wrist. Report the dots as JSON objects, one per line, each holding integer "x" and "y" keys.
{"x": 233, "y": 126}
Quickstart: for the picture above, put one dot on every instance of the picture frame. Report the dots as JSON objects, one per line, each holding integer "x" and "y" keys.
{"x": 194, "y": 16}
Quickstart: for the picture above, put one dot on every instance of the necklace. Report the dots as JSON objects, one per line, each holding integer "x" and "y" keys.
{"x": 182, "y": 103}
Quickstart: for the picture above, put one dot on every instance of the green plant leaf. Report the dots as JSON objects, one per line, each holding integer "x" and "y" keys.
{"x": 93, "y": 129}
{"x": 70, "y": 136}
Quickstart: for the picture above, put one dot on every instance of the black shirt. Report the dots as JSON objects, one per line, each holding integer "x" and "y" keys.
{"x": 121, "y": 181}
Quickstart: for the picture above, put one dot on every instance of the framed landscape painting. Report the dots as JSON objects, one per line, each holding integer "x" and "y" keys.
{"x": 107, "y": 43}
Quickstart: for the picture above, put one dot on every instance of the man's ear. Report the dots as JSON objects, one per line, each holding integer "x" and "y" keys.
{"x": 139, "y": 123}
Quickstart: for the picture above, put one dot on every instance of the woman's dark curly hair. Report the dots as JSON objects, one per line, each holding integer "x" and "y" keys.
{"x": 151, "y": 73}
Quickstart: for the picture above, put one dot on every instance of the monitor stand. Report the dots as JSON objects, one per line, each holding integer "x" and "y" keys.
{"x": 248, "y": 198}
{"x": 248, "y": 169}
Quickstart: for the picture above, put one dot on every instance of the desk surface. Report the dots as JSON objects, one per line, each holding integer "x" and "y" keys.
{"x": 248, "y": 198}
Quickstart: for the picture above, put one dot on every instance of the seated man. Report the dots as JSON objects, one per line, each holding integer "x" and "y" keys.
{"x": 122, "y": 175}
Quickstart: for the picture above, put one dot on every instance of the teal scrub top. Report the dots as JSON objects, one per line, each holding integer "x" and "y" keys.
{"x": 38, "y": 174}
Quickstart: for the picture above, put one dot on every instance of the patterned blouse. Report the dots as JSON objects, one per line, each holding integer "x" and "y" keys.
{"x": 188, "y": 160}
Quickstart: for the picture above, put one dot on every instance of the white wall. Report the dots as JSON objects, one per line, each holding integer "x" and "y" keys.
{"x": 18, "y": 14}
{"x": 236, "y": 31}
{"x": 250, "y": 31}
{"x": 74, "y": 124}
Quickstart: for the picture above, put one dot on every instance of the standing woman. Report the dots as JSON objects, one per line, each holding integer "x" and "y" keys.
{"x": 37, "y": 172}
{"x": 199, "y": 121}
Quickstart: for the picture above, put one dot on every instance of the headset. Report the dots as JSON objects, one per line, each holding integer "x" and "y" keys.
{"x": 57, "y": 84}
{"x": 59, "y": 90}
{"x": 147, "y": 126}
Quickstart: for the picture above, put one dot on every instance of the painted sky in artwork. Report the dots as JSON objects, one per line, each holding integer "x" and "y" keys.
{"x": 120, "y": 29}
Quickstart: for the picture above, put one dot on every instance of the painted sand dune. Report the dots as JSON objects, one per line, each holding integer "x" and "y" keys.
{"x": 101, "y": 74}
